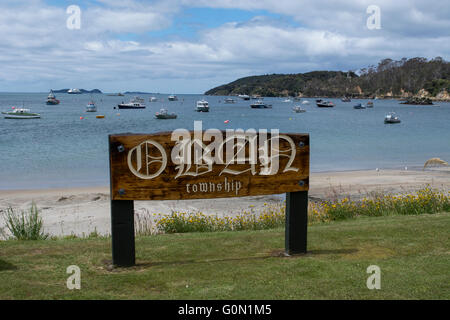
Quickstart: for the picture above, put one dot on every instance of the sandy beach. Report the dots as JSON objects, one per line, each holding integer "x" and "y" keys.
{"x": 82, "y": 210}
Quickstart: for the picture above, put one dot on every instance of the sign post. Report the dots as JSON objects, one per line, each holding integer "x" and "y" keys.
{"x": 203, "y": 165}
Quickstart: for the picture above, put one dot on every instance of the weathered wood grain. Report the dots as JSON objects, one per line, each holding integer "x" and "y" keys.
{"x": 127, "y": 186}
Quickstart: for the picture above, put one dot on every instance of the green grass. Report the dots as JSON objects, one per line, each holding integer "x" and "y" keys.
{"x": 413, "y": 253}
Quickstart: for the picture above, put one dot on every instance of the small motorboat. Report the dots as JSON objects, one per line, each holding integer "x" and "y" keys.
{"x": 287, "y": 100}
{"x": 135, "y": 103}
{"x": 172, "y": 97}
{"x": 20, "y": 113}
{"x": 346, "y": 99}
{"x": 369, "y": 104}
{"x": 325, "y": 104}
{"x": 257, "y": 97}
{"x": 229, "y": 100}
{"x": 202, "y": 106}
{"x": 358, "y": 106}
{"x": 391, "y": 117}
{"x": 244, "y": 97}
{"x": 91, "y": 107}
{"x": 153, "y": 99}
{"x": 164, "y": 114}
{"x": 298, "y": 109}
{"x": 305, "y": 102}
{"x": 260, "y": 105}
{"x": 51, "y": 99}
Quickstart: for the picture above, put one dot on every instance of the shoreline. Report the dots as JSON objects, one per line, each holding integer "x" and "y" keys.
{"x": 82, "y": 210}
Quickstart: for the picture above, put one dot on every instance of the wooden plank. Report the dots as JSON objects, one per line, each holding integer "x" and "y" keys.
{"x": 142, "y": 167}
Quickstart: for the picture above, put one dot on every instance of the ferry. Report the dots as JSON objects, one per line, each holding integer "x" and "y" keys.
{"x": 135, "y": 103}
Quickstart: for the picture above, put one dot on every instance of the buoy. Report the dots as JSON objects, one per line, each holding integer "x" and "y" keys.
{"x": 99, "y": 117}
{"x": 118, "y": 114}
{"x": 290, "y": 118}
{"x": 13, "y": 107}
{"x": 81, "y": 118}
{"x": 226, "y": 121}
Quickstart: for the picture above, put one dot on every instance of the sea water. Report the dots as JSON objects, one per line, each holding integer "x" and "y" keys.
{"x": 62, "y": 150}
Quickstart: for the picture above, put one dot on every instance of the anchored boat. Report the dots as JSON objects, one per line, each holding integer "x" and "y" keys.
{"x": 164, "y": 114}
{"x": 260, "y": 105}
{"x": 298, "y": 109}
{"x": 21, "y": 113}
{"x": 91, "y": 107}
{"x": 391, "y": 117}
{"x": 51, "y": 99}
{"x": 135, "y": 103}
{"x": 325, "y": 104}
{"x": 202, "y": 106}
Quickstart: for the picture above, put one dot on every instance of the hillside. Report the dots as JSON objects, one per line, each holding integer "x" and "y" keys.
{"x": 397, "y": 79}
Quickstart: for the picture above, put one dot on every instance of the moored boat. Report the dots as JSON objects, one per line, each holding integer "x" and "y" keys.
{"x": 298, "y": 109}
{"x": 369, "y": 104}
{"x": 346, "y": 99}
{"x": 202, "y": 106}
{"x": 74, "y": 91}
{"x": 51, "y": 99}
{"x": 91, "y": 107}
{"x": 260, "y": 105}
{"x": 229, "y": 100}
{"x": 135, "y": 103}
{"x": 391, "y": 117}
{"x": 358, "y": 106}
{"x": 325, "y": 104}
{"x": 153, "y": 99}
{"x": 164, "y": 114}
{"x": 172, "y": 97}
{"x": 20, "y": 113}
{"x": 244, "y": 97}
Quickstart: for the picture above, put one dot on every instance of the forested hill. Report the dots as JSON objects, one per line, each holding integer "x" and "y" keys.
{"x": 399, "y": 79}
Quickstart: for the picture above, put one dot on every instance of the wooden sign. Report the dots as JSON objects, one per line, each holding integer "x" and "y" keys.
{"x": 208, "y": 164}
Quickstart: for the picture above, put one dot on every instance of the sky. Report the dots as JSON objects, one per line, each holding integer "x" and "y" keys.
{"x": 190, "y": 46}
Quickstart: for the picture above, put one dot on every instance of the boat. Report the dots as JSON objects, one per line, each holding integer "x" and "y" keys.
{"x": 391, "y": 117}
{"x": 305, "y": 102}
{"x": 257, "y": 97}
{"x": 20, "y": 113}
{"x": 358, "y": 106}
{"x": 91, "y": 107}
{"x": 202, "y": 106}
{"x": 244, "y": 97}
{"x": 298, "y": 109}
{"x": 287, "y": 100}
{"x": 369, "y": 104}
{"x": 346, "y": 99}
{"x": 164, "y": 114}
{"x": 51, "y": 99}
{"x": 74, "y": 91}
{"x": 260, "y": 105}
{"x": 172, "y": 97}
{"x": 325, "y": 104}
{"x": 229, "y": 100}
{"x": 153, "y": 99}
{"x": 135, "y": 103}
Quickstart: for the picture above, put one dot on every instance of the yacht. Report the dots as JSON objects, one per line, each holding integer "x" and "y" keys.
{"x": 135, "y": 103}
{"x": 164, "y": 114}
{"x": 391, "y": 118}
{"x": 202, "y": 106}
{"x": 325, "y": 104}
{"x": 244, "y": 97}
{"x": 51, "y": 99}
{"x": 260, "y": 105}
{"x": 229, "y": 100}
{"x": 172, "y": 98}
{"x": 298, "y": 109}
{"x": 91, "y": 107}
{"x": 20, "y": 113}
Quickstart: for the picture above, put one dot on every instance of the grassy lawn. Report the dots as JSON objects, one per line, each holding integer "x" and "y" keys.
{"x": 413, "y": 253}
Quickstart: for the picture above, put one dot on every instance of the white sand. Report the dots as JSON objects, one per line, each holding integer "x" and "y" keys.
{"x": 82, "y": 210}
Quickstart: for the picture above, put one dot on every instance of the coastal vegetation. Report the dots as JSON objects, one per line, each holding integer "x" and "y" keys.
{"x": 403, "y": 78}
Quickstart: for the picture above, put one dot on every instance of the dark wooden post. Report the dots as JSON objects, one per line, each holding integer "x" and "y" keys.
{"x": 122, "y": 232}
{"x": 296, "y": 222}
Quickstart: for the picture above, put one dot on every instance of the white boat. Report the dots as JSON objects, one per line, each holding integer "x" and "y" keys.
{"x": 229, "y": 100}
{"x": 172, "y": 98}
{"x": 202, "y": 106}
{"x": 298, "y": 109}
{"x": 74, "y": 91}
{"x": 260, "y": 105}
{"x": 391, "y": 117}
{"x": 244, "y": 96}
{"x": 153, "y": 99}
{"x": 91, "y": 107}
{"x": 287, "y": 100}
{"x": 305, "y": 102}
{"x": 20, "y": 113}
{"x": 135, "y": 103}
{"x": 164, "y": 114}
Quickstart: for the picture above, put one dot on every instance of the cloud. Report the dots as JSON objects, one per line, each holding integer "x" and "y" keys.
{"x": 38, "y": 51}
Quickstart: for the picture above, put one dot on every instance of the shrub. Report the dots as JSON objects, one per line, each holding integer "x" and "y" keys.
{"x": 26, "y": 225}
